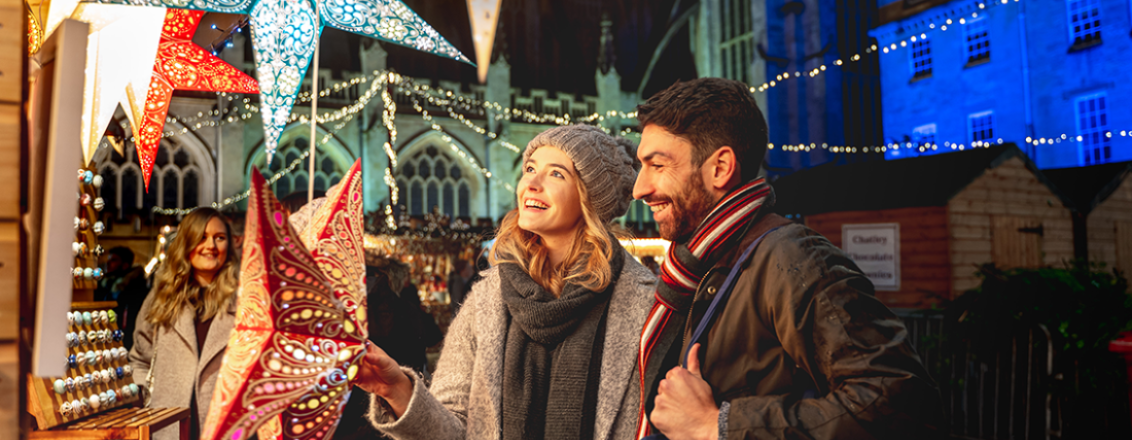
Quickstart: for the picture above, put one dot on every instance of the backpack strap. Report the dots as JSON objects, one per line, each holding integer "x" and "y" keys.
{"x": 720, "y": 300}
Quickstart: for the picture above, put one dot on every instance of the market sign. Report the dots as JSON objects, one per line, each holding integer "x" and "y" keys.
{"x": 875, "y": 247}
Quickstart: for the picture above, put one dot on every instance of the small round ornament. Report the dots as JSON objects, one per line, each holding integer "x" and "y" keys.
{"x": 78, "y": 273}
{"x": 108, "y": 356}
{"x": 119, "y": 373}
{"x": 77, "y": 222}
{"x": 88, "y": 273}
{"x": 70, "y": 318}
{"x": 78, "y": 248}
{"x": 117, "y": 335}
{"x": 96, "y": 181}
{"x": 128, "y": 370}
{"x": 85, "y": 402}
{"x": 103, "y": 317}
{"x": 69, "y": 384}
{"x": 88, "y": 177}
{"x": 95, "y": 402}
{"x": 72, "y": 361}
{"x": 71, "y": 339}
{"x": 86, "y": 199}
{"x": 99, "y": 228}
{"x": 88, "y": 380}
{"x": 60, "y": 386}
{"x": 97, "y": 357}
{"x": 90, "y": 357}
{"x": 82, "y": 337}
{"x": 84, "y": 224}
{"x": 112, "y": 315}
{"x": 87, "y": 318}
{"x": 65, "y": 409}
{"x": 77, "y": 406}
{"x": 97, "y": 274}
{"x": 134, "y": 389}
{"x": 111, "y": 397}
{"x": 97, "y": 250}
{"x": 99, "y": 203}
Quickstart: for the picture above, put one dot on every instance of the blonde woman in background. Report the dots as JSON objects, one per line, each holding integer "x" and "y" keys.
{"x": 184, "y": 323}
{"x": 545, "y": 346}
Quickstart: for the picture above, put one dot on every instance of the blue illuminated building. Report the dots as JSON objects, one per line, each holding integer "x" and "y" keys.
{"x": 1050, "y": 76}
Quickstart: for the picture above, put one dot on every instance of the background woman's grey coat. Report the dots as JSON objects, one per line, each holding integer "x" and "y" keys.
{"x": 465, "y": 399}
{"x": 177, "y": 371}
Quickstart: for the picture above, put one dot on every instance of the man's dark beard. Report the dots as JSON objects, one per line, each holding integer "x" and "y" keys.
{"x": 689, "y": 208}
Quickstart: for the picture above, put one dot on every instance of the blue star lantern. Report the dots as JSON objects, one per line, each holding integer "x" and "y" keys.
{"x": 284, "y": 33}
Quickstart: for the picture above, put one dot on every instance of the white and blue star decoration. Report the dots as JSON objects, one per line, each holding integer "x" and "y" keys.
{"x": 284, "y": 33}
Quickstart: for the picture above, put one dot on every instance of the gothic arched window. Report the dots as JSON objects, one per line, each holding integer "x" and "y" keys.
{"x": 430, "y": 178}
{"x": 176, "y": 181}
{"x": 327, "y": 172}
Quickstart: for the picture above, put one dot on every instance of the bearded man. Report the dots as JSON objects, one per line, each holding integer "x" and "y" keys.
{"x": 801, "y": 349}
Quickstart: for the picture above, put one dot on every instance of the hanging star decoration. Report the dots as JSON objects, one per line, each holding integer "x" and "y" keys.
{"x": 300, "y": 321}
{"x": 284, "y": 33}
{"x": 484, "y": 16}
{"x": 180, "y": 65}
{"x": 43, "y": 17}
{"x": 121, "y": 46}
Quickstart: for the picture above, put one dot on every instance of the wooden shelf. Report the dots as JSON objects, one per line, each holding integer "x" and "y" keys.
{"x": 123, "y": 423}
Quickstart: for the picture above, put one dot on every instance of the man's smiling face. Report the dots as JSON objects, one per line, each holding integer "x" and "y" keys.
{"x": 672, "y": 186}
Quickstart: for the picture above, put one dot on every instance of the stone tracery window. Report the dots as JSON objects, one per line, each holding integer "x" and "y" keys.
{"x": 176, "y": 182}
{"x": 327, "y": 172}
{"x": 431, "y": 178}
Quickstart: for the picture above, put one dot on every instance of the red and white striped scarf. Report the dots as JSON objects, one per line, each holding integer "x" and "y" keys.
{"x": 686, "y": 264}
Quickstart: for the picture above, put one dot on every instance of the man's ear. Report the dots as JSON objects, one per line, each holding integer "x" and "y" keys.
{"x": 723, "y": 169}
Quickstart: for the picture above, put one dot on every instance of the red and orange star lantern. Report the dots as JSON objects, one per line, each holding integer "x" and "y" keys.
{"x": 300, "y": 322}
{"x": 180, "y": 65}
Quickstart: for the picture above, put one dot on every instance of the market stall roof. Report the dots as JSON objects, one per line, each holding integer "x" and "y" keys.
{"x": 890, "y": 184}
{"x": 1088, "y": 187}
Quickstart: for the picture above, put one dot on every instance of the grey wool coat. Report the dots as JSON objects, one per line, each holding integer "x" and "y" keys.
{"x": 176, "y": 372}
{"x": 465, "y": 399}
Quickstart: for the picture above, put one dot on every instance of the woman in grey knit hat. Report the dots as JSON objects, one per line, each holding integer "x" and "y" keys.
{"x": 545, "y": 346}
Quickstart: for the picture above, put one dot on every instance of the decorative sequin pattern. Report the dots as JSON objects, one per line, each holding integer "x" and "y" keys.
{"x": 297, "y": 339}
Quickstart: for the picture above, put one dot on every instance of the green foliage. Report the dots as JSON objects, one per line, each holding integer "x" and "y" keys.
{"x": 1083, "y": 307}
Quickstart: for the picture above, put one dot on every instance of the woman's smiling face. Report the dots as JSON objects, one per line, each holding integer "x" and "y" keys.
{"x": 549, "y": 203}
{"x": 212, "y": 252}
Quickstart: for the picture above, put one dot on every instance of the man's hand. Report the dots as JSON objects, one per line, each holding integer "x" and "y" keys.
{"x": 685, "y": 408}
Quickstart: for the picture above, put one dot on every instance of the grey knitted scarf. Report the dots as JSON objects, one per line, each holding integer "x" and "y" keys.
{"x": 552, "y": 356}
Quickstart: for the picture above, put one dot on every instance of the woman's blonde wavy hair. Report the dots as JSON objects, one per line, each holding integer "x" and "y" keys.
{"x": 586, "y": 263}
{"x": 176, "y": 286}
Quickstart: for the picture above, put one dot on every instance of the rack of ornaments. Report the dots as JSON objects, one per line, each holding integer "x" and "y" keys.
{"x": 98, "y": 394}
{"x": 99, "y": 376}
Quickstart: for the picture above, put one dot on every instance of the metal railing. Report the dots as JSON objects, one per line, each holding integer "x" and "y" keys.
{"x": 1001, "y": 390}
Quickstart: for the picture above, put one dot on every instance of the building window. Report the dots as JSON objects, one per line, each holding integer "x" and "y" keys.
{"x": 434, "y": 181}
{"x": 1084, "y": 21}
{"x": 175, "y": 183}
{"x": 924, "y": 136}
{"x": 921, "y": 58}
{"x": 1092, "y": 123}
{"x": 737, "y": 45}
{"x": 326, "y": 174}
{"x": 981, "y": 127}
{"x": 978, "y": 40}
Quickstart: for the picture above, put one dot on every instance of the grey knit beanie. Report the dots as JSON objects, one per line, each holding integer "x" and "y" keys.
{"x": 607, "y": 165}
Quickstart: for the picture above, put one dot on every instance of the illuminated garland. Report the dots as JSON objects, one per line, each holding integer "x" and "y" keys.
{"x": 241, "y": 196}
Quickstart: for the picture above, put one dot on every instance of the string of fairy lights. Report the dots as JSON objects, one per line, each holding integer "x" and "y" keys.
{"x": 387, "y": 84}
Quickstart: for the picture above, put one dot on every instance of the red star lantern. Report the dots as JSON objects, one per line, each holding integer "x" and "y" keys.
{"x": 180, "y": 65}
{"x": 300, "y": 323}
